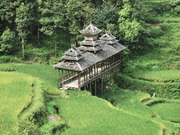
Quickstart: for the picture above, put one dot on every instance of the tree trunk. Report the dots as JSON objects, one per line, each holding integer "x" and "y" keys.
{"x": 23, "y": 48}
{"x": 55, "y": 45}
{"x": 38, "y": 34}
{"x": 55, "y": 49}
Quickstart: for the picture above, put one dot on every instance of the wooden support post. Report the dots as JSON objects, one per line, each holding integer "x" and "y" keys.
{"x": 90, "y": 87}
{"x": 83, "y": 76}
{"x": 85, "y": 73}
{"x": 102, "y": 65}
{"x": 95, "y": 85}
{"x": 62, "y": 78}
{"x": 67, "y": 74}
{"x": 78, "y": 80}
{"x": 59, "y": 80}
{"x": 97, "y": 68}
{"x": 101, "y": 85}
{"x": 94, "y": 70}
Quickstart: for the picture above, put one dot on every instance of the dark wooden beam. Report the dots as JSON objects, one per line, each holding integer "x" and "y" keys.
{"x": 78, "y": 80}
{"x": 95, "y": 86}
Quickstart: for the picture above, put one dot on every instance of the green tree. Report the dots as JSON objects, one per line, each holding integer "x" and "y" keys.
{"x": 7, "y": 41}
{"x": 52, "y": 19}
{"x": 78, "y": 14}
{"x": 131, "y": 24}
{"x": 23, "y": 21}
{"x": 107, "y": 13}
{"x": 8, "y": 13}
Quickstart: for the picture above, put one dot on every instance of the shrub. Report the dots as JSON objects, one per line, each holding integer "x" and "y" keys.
{"x": 54, "y": 60}
{"x": 156, "y": 32}
{"x": 9, "y": 58}
{"x": 8, "y": 42}
{"x": 28, "y": 128}
{"x": 54, "y": 127}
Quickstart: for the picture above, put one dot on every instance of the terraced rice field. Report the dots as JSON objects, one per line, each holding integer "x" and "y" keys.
{"x": 46, "y": 73}
{"x": 15, "y": 95}
{"x": 164, "y": 111}
{"x": 91, "y": 115}
{"x": 168, "y": 111}
{"x": 159, "y": 76}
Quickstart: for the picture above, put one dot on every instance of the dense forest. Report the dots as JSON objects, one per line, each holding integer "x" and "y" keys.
{"x": 142, "y": 98}
{"x": 44, "y": 28}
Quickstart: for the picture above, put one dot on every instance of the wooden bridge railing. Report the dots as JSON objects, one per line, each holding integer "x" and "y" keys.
{"x": 92, "y": 73}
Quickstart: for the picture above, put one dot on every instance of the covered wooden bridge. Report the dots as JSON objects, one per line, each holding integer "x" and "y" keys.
{"x": 94, "y": 58}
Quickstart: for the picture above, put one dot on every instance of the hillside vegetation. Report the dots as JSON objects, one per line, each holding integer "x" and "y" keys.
{"x": 158, "y": 70}
{"x": 15, "y": 94}
{"x": 144, "y": 96}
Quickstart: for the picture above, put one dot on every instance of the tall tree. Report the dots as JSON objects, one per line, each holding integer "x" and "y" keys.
{"x": 131, "y": 22}
{"x": 78, "y": 14}
{"x": 23, "y": 21}
{"x": 7, "y": 42}
{"x": 107, "y": 13}
{"x": 8, "y": 13}
{"x": 52, "y": 19}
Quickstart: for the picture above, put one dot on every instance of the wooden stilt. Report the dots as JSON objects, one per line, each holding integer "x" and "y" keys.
{"x": 78, "y": 80}
{"x": 95, "y": 85}
{"x": 59, "y": 79}
{"x": 62, "y": 78}
{"x": 101, "y": 85}
{"x": 90, "y": 87}
{"x": 97, "y": 69}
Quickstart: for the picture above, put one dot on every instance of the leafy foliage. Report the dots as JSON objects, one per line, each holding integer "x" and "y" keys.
{"x": 23, "y": 21}
{"x": 8, "y": 42}
{"x": 132, "y": 13}
{"x": 78, "y": 14}
{"x": 106, "y": 14}
{"x": 52, "y": 17}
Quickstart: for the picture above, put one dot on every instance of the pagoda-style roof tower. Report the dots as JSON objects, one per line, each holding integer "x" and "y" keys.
{"x": 84, "y": 66}
{"x": 108, "y": 38}
{"x": 72, "y": 54}
{"x": 90, "y": 31}
{"x": 71, "y": 59}
{"x": 90, "y": 42}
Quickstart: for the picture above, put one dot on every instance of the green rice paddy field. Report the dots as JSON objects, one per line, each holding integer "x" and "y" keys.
{"x": 15, "y": 95}
{"x": 161, "y": 75}
{"x": 164, "y": 111}
{"x": 168, "y": 111}
{"x": 131, "y": 112}
{"x": 83, "y": 113}
{"x": 88, "y": 115}
{"x": 46, "y": 73}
